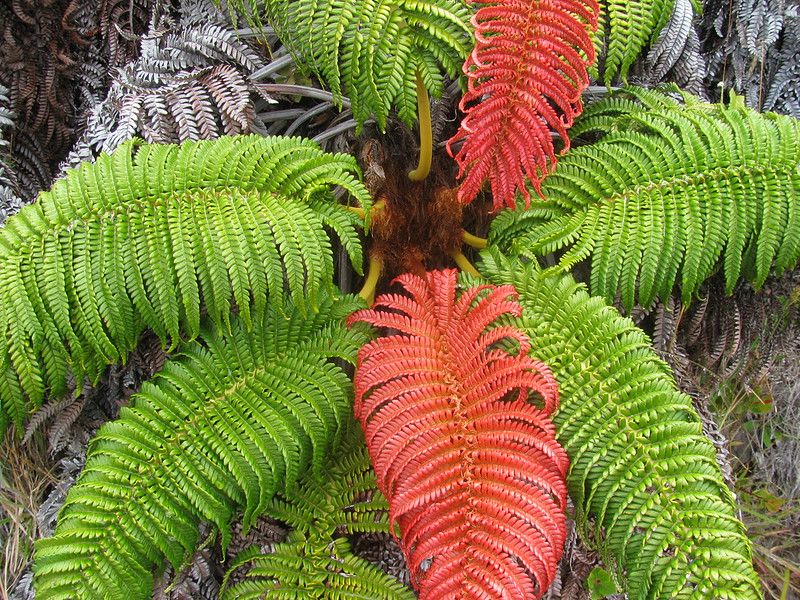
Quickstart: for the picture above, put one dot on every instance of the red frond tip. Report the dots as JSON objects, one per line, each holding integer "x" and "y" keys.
{"x": 525, "y": 77}
{"x": 456, "y": 418}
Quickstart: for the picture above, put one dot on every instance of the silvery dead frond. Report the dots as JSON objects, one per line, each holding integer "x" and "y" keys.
{"x": 196, "y": 580}
{"x": 33, "y": 173}
{"x": 196, "y": 12}
{"x": 187, "y": 84}
{"x": 672, "y": 40}
{"x": 114, "y": 26}
{"x": 784, "y": 92}
{"x": 676, "y": 55}
{"x": 9, "y": 193}
{"x": 752, "y": 49}
{"x": 759, "y": 23}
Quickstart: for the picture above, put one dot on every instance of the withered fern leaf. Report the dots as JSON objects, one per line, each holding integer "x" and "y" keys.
{"x": 677, "y": 51}
{"x": 235, "y": 419}
{"x": 9, "y": 188}
{"x": 455, "y": 415}
{"x": 644, "y": 479}
{"x": 669, "y": 192}
{"x": 153, "y": 235}
{"x": 186, "y": 85}
{"x": 784, "y": 93}
{"x": 316, "y": 562}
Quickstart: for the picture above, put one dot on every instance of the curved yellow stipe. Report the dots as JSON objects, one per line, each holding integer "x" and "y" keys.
{"x": 425, "y": 133}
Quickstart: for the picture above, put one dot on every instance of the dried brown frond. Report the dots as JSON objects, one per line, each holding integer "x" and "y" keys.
{"x": 198, "y": 579}
{"x": 25, "y": 476}
{"x": 39, "y": 62}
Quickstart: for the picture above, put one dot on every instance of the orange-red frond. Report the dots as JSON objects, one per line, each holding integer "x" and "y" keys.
{"x": 525, "y": 77}
{"x": 456, "y": 418}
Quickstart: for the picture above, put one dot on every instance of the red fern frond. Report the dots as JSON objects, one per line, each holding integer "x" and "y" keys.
{"x": 469, "y": 463}
{"x": 525, "y": 76}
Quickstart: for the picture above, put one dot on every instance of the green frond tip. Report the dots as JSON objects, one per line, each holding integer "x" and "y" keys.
{"x": 316, "y": 562}
{"x": 670, "y": 192}
{"x": 235, "y": 419}
{"x": 153, "y": 235}
{"x": 644, "y": 479}
{"x": 370, "y": 50}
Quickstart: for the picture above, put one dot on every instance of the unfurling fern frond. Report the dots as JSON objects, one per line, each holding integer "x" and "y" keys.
{"x": 665, "y": 193}
{"x": 643, "y": 477}
{"x": 468, "y": 462}
{"x": 626, "y": 28}
{"x": 316, "y": 562}
{"x": 233, "y": 421}
{"x": 525, "y": 77}
{"x": 149, "y": 235}
{"x": 371, "y": 51}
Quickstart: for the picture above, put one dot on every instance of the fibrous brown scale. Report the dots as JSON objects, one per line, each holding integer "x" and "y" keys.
{"x": 420, "y": 225}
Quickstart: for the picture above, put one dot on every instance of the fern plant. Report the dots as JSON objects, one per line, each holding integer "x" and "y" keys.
{"x": 474, "y": 482}
{"x": 470, "y": 464}
{"x": 669, "y": 190}
{"x": 248, "y": 468}
{"x": 83, "y": 271}
{"x": 237, "y": 418}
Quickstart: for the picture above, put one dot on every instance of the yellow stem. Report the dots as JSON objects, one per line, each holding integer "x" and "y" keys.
{"x": 362, "y": 214}
{"x": 425, "y": 133}
{"x": 464, "y": 264}
{"x": 373, "y": 275}
{"x": 474, "y": 241}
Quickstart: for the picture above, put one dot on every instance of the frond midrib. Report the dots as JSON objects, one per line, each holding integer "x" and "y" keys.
{"x": 681, "y": 181}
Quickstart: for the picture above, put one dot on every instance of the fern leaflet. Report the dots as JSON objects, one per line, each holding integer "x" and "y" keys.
{"x": 643, "y": 477}
{"x": 471, "y": 468}
{"x": 525, "y": 76}
{"x": 148, "y": 236}
{"x": 668, "y": 191}
{"x": 316, "y": 561}
{"x": 235, "y": 419}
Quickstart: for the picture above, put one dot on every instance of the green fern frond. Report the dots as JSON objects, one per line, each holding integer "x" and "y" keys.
{"x": 149, "y": 236}
{"x": 647, "y": 488}
{"x": 235, "y": 419}
{"x": 625, "y": 28}
{"x": 667, "y": 191}
{"x": 371, "y": 50}
{"x": 316, "y": 561}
